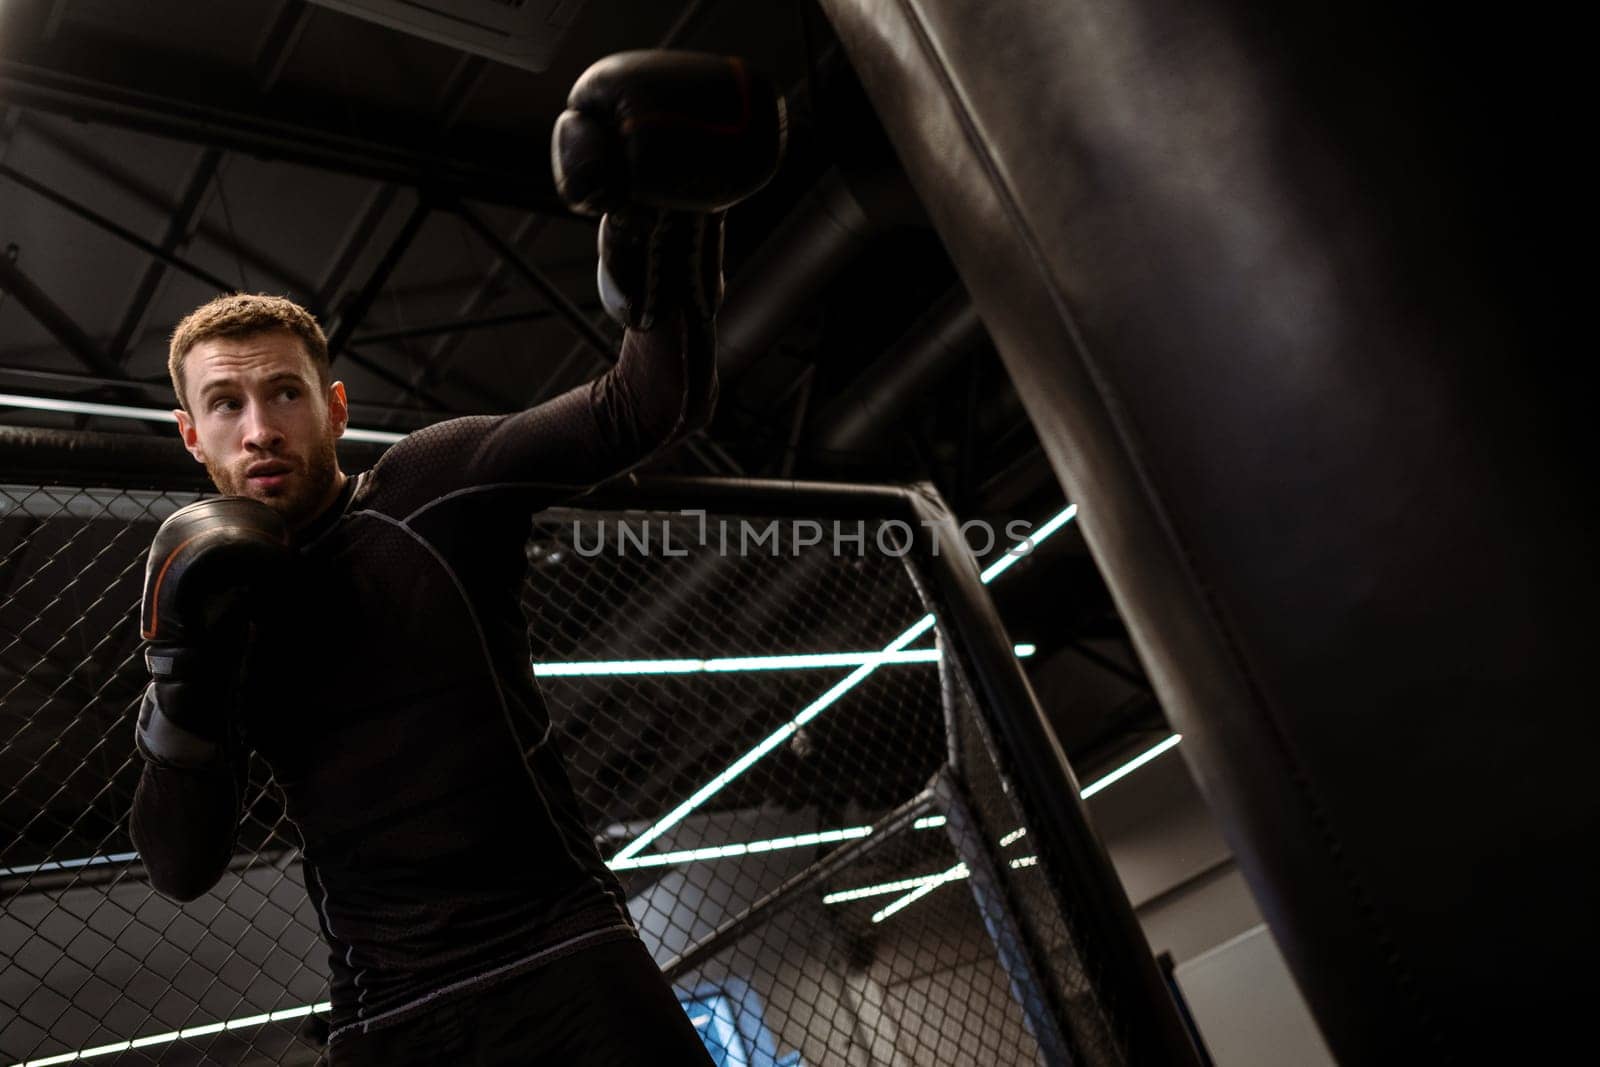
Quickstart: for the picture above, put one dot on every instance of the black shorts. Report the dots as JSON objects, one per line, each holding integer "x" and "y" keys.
{"x": 607, "y": 1005}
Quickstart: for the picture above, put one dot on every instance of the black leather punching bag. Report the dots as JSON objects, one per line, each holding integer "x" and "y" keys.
{"x": 1275, "y": 284}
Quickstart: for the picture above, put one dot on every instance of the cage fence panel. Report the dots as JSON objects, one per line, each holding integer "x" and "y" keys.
{"x": 1045, "y": 920}
{"x": 760, "y": 724}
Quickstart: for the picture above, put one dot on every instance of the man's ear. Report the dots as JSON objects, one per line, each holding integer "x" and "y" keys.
{"x": 338, "y": 409}
{"x": 191, "y": 439}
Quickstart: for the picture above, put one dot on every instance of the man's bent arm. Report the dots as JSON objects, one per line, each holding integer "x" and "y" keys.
{"x": 184, "y": 822}
{"x": 662, "y": 388}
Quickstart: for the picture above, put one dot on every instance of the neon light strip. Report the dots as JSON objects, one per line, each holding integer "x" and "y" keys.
{"x": 822, "y": 703}
{"x": 745, "y": 848}
{"x": 1132, "y": 765}
{"x": 924, "y": 886}
{"x": 122, "y": 411}
{"x": 927, "y": 882}
{"x": 178, "y": 1035}
{"x": 772, "y": 741}
{"x": 1009, "y": 558}
{"x": 955, "y": 873}
{"x": 878, "y": 890}
{"x": 62, "y": 865}
{"x": 1009, "y": 839}
{"x": 717, "y": 852}
{"x": 731, "y": 664}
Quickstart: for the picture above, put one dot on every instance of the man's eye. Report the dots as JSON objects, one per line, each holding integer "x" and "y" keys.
{"x": 224, "y": 404}
{"x": 290, "y": 392}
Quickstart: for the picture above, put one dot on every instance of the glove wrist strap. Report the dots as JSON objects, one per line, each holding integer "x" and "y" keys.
{"x": 163, "y": 742}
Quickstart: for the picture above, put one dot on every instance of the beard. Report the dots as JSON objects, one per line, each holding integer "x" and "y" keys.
{"x": 303, "y": 494}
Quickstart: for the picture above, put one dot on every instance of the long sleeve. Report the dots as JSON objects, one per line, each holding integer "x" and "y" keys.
{"x": 662, "y": 388}
{"x": 184, "y": 824}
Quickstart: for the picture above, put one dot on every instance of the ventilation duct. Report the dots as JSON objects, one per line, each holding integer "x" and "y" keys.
{"x": 861, "y": 196}
{"x": 873, "y": 405}
{"x": 522, "y": 33}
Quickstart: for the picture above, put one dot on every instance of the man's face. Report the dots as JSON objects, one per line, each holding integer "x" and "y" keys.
{"x": 261, "y": 424}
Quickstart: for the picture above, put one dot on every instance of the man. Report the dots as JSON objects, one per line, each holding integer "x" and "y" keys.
{"x": 364, "y": 635}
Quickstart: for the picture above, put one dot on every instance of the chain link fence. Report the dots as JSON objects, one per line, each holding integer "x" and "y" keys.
{"x": 782, "y": 757}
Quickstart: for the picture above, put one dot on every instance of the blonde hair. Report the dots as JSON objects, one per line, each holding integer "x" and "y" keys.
{"x": 242, "y": 315}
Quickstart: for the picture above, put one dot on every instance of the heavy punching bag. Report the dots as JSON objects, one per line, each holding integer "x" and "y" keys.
{"x": 1272, "y": 282}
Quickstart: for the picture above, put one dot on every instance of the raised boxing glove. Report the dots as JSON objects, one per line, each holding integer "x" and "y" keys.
{"x": 207, "y": 564}
{"x": 662, "y": 143}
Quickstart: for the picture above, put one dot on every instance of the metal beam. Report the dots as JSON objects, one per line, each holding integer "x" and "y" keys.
{"x": 355, "y": 242}
{"x": 1020, "y": 957}
{"x": 797, "y": 421}
{"x": 451, "y": 329}
{"x": 356, "y": 310}
{"x": 1139, "y": 1015}
{"x": 587, "y": 332}
{"x": 280, "y": 41}
{"x": 486, "y": 395}
{"x": 445, "y": 348}
{"x": 459, "y": 86}
{"x": 457, "y": 92}
{"x": 1109, "y": 665}
{"x": 270, "y": 59}
{"x": 688, "y": 23}
{"x": 64, "y": 329}
{"x": 178, "y": 227}
{"x": 50, "y": 315}
{"x": 884, "y": 830}
{"x": 135, "y": 185}
{"x": 397, "y": 154}
{"x": 384, "y": 374}
{"x": 341, "y": 341}
{"x": 114, "y": 228}
{"x": 8, "y": 127}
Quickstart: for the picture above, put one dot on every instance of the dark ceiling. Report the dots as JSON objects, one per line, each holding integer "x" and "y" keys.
{"x": 153, "y": 154}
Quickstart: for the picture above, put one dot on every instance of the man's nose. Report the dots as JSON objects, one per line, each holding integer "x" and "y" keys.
{"x": 260, "y": 431}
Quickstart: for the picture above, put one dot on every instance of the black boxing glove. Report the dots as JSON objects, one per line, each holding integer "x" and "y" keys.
{"x": 654, "y": 262}
{"x": 208, "y": 563}
{"x": 662, "y": 143}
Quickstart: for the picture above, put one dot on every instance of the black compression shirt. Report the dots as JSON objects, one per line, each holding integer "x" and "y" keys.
{"x": 393, "y": 698}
